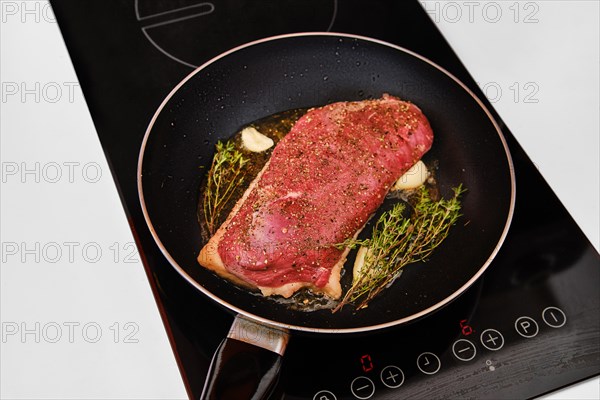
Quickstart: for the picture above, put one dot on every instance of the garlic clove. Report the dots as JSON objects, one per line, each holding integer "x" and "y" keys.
{"x": 359, "y": 261}
{"x": 255, "y": 141}
{"x": 413, "y": 178}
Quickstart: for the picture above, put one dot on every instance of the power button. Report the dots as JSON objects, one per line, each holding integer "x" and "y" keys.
{"x": 324, "y": 395}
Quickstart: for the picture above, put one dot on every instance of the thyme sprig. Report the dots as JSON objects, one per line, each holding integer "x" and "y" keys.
{"x": 398, "y": 240}
{"x": 224, "y": 176}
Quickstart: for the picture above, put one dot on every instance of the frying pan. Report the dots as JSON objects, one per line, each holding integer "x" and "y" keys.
{"x": 298, "y": 71}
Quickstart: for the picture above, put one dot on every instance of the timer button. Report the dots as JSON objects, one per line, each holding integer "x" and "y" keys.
{"x": 324, "y": 395}
{"x": 362, "y": 388}
{"x": 392, "y": 376}
{"x": 554, "y": 317}
{"x": 491, "y": 339}
{"x": 464, "y": 350}
{"x": 428, "y": 363}
{"x": 526, "y": 327}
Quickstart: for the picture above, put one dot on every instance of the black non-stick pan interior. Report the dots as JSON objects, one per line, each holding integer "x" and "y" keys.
{"x": 299, "y": 71}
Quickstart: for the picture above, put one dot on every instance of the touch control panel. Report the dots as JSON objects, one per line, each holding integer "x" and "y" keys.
{"x": 471, "y": 345}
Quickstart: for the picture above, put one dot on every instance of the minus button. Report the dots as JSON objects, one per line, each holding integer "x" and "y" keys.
{"x": 362, "y": 388}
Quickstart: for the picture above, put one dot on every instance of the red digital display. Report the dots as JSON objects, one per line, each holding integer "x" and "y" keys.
{"x": 466, "y": 329}
{"x": 366, "y": 362}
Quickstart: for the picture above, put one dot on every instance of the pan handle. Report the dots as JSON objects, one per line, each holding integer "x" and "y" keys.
{"x": 247, "y": 362}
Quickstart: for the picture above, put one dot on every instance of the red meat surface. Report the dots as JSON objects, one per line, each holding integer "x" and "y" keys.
{"x": 324, "y": 180}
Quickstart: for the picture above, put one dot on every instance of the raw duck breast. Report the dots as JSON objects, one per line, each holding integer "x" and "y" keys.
{"x": 324, "y": 180}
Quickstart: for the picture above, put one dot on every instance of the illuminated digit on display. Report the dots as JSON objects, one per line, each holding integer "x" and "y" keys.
{"x": 366, "y": 362}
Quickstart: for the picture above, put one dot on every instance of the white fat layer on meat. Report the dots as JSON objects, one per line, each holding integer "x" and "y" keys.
{"x": 292, "y": 195}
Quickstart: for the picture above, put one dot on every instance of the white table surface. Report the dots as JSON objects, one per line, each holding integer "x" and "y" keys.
{"x": 78, "y": 318}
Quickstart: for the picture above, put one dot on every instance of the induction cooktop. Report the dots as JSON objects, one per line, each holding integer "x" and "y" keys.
{"x": 530, "y": 325}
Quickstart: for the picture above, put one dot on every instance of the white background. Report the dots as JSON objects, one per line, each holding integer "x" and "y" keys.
{"x": 112, "y": 343}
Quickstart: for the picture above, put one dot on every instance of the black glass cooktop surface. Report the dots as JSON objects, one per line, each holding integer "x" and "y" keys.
{"x": 530, "y": 325}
